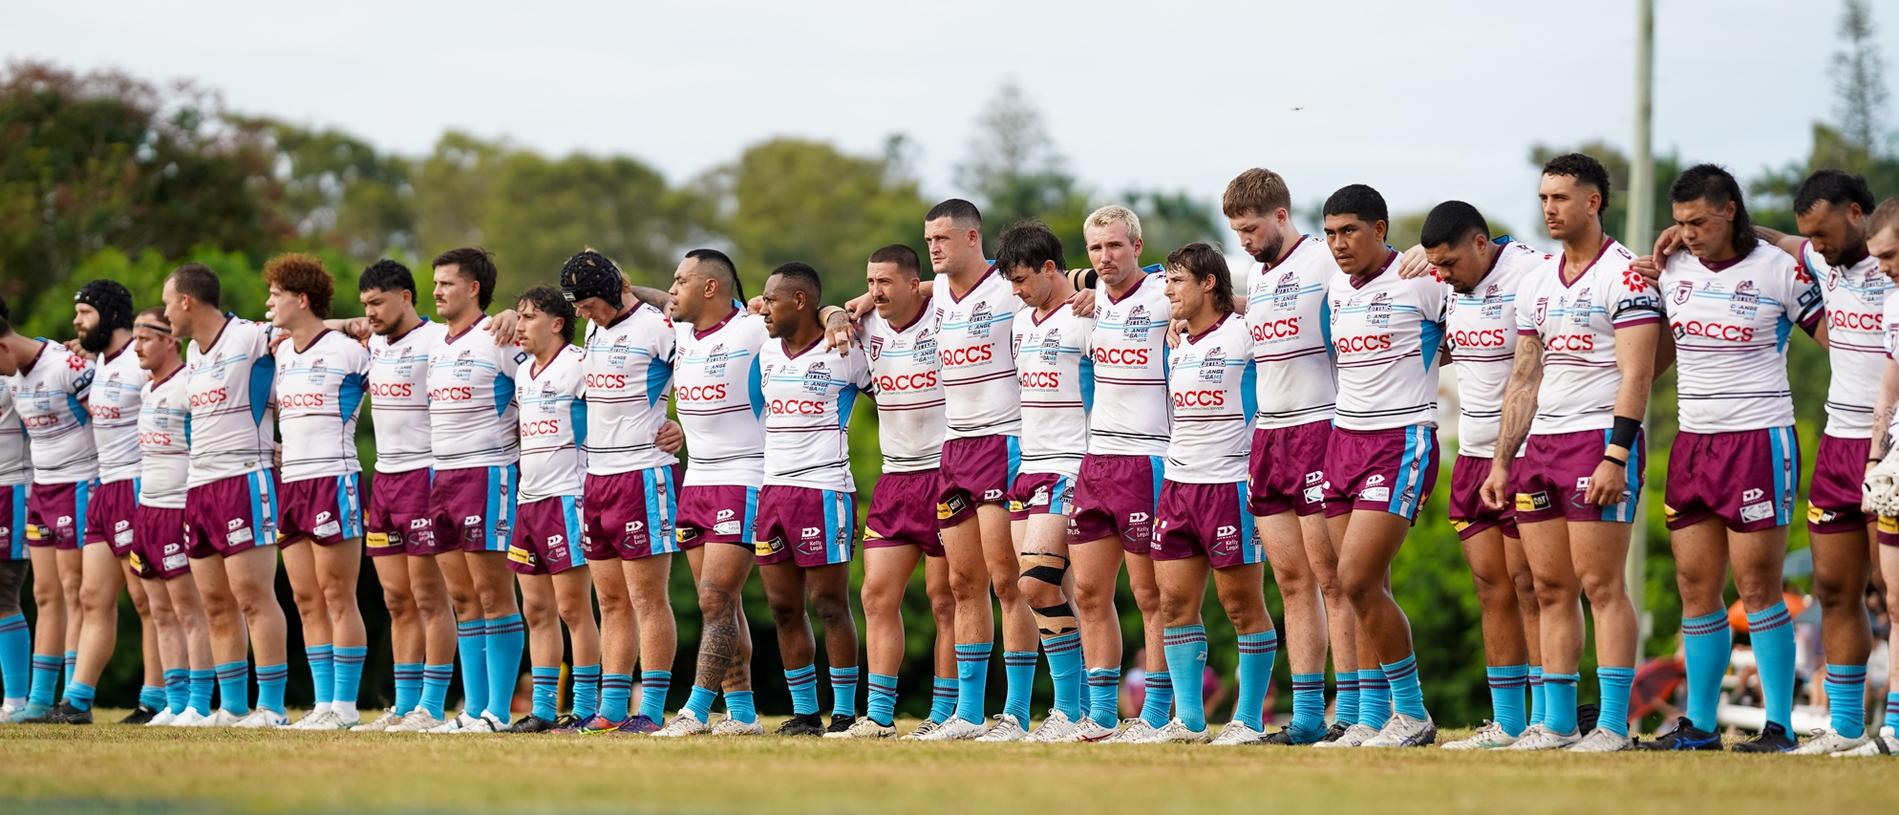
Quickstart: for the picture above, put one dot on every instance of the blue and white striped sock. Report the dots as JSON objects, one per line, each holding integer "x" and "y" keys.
{"x": 506, "y": 638}
{"x": 546, "y": 691}
{"x": 1157, "y": 696}
{"x": 1346, "y": 683}
{"x": 844, "y": 691}
{"x": 435, "y": 682}
{"x": 152, "y": 697}
{"x": 803, "y": 685}
{"x": 1308, "y": 704}
{"x": 1407, "y": 694}
{"x": 972, "y": 680}
{"x": 271, "y": 680}
{"x": 1257, "y": 653}
{"x": 1018, "y": 672}
{"x": 408, "y": 686}
{"x": 177, "y": 690}
{"x": 1771, "y": 632}
{"x": 1104, "y": 704}
{"x": 1846, "y": 699}
{"x": 942, "y": 699}
{"x": 322, "y": 662}
{"x": 653, "y": 688}
{"x": 349, "y": 675}
{"x": 72, "y": 663}
{"x": 1538, "y": 706}
{"x": 1186, "y": 647}
{"x": 586, "y": 691}
{"x": 471, "y": 650}
{"x": 1064, "y": 666}
{"x": 1506, "y": 696}
{"x": 1374, "y": 698}
{"x": 202, "y": 683}
{"x": 616, "y": 691}
{"x": 882, "y": 704}
{"x": 1706, "y": 645}
{"x": 234, "y": 679}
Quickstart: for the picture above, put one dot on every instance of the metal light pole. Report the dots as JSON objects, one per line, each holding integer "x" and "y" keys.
{"x": 1637, "y": 236}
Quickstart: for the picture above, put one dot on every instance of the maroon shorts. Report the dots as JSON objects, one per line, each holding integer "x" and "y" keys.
{"x": 109, "y": 516}
{"x": 1288, "y": 469}
{"x": 1833, "y": 499}
{"x": 900, "y": 512}
{"x": 1888, "y": 532}
{"x": 629, "y": 516}
{"x": 1380, "y": 470}
{"x": 231, "y": 515}
{"x": 547, "y": 536}
{"x": 398, "y": 521}
{"x": 160, "y": 553}
{"x": 1041, "y": 494}
{"x": 472, "y": 508}
{"x": 973, "y": 472}
{"x": 717, "y": 513}
{"x": 1206, "y": 520}
{"x": 1118, "y": 497}
{"x": 1747, "y": 479}
{"x": 325, "y": 510}
{"x": 1551, "y": 479}
{"x": 56, "y": 514}
{"x": 1468, "y": 512}
{"x": 807, "y": 527}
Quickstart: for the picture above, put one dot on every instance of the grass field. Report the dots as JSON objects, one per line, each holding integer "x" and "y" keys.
{"x": 107, "y": 768}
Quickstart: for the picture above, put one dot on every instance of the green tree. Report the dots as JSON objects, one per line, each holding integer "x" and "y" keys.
{"x": 1015, "y": 171}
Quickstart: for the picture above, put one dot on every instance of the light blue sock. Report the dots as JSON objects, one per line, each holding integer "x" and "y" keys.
{"x": 1846, "y": 699}
{"x": 1308, "y": 703}
{"x": 546, "y": 691}
{"x": 1064, "y": 665}
{"x": 435, "y": 681}
{"x": 45, "y": 680}
{"x": 1561, "y": 692}
{"x": 1506, "y": 696}
{"x": 1104, "y": 706}
{"x": 1257, "y": 652}
{"x": 803, "y": 685}
{"x": 942, "y": 699}
{"x": 16, "y": 657}
{"x": 201, "y": 684}
{"x": 1348, "y": 693}
{"x": 408, "y": 686}
{"x": 72, "y": 662}
{"x": 844, "y": 691}
{"x": 234, "y": 693}
{"x": 322, "y": 672}
{"x": 152, "y": 697}
{"x": 471, "y": 650}
{"x": 882, "y": 704}
{"x": 1892, "y": 710}
{"x": 1018, "y": 671}
{"x": 271, "y": 680}
{"x": 740, "y": 706}
{"x": 1771, "y": 631}
{"x": 1407, "y": 694}
{"x": 1374, "y": 698}
{"x": 1157, "y": 696}
{"x": 972, "y": 680}
{"x": 587, "y": 691}
{"x": 1538, "y": 707}
{"x": 1186, "y": 647}
{"x": 653, "y": 688}
{"x": 1706, "y": 641}
{"x": 616, "y": 690}
{"x": 1614, "y": 702}
{"x": 349, "y": 673}
{"x": 507, "y": 638}
{"x": 699, "y": 703}
{"x": 79, "y": 695}
{"x": 177, "y": 690}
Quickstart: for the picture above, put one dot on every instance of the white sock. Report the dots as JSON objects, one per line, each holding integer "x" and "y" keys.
{"x": 320, "y": 707}
{"x": 345, "y": 710}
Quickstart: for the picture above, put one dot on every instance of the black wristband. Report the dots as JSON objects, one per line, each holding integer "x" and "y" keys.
{"x": 1626, "y": 429}
{"x": 1613, "y": 460}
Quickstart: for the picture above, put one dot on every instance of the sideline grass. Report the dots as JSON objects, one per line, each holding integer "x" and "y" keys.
{"x": 108, "y": 768}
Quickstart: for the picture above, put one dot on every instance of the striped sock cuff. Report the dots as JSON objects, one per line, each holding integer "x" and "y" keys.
{"x": 945, "y": 686}
{"x": 1508, "y": 677}
{"x": 1061, "y": 643}
{"x": 1846, "y": 674}
{"x": 844, "y": 674}
{"x": 272, "y": 673}
{"x": 1346, "y": 682}
{"x": 1308, "y": 682}
{"x": 1018, "y": 657}
{"x": 974, "y": 651}
{"x": 511, "y": 624}
{"x": 45, "y": 663}
{"x": 586, "y": 672}
{"x": 1615, "y": 673}
{"x": 544, "y": 676}
{"x": 1264, "y": 642}
{"x": 1562, "y": 679}
{"x": 1183, "y": 635}
{"x": 1711, "y": 623}
{"x": 318, "y": 651}
{"x": 230, "y": 670}
{"x": 174, "y": 676}
{"x": 799, "y": 677}
{"x": 351, "y": 654}
{"x": 13, "y": 622}
{"x": 442, "y": 672}
{"x": 882, "y": 683}
{"x": 470, "y": 628}
{"x": 1768, "y": 619}
{"x": 1104, "y": 676}
{"x": 616, "y": 682}
{"x": 1158, "y": 680}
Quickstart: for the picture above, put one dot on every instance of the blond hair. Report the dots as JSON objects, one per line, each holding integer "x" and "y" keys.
{"x": 1115, "y": 214}
{"x": 1885, "y": 216}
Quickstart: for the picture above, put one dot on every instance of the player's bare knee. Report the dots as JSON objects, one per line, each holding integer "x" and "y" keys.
{"x": 833, "y": 608}
{"x": 969, "y": 588}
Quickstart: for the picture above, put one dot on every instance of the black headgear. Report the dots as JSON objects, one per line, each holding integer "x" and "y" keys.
{"x": 113, "y": 302}
{"x": 591, "y": 274}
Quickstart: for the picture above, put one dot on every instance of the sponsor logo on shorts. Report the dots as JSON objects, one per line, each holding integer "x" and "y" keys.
{"x": 1375, "y": 494}
{"x": 1314, "y": 495}
{"x": 328, "y": 530}
{"x": 992, "y": 495}
{"x": 1315, "y": 477}
{"x": 767, "y": 548}
{"x": 471, "y": 520}
{"x": 1460, "y": 526}
{"x": 1757, "y": 511}
{"x": 122, "y": 537}
{"x": 234, "y": 524}
{"x": 173, "y": 562}
{"x": 520, "y": 555}
{"x": 727, "y": 514}
{"x": 1670, "y": 513}
{"x": 635, "y": 527}
{"x": 379, "y": 540}
{"x": 1375, "y": 480}
{"x": 1816, "y": 515}
{"x": 727, "y": 528}
{"x": 1889, "y": 525}
{"x": 946, "y": 510}
{"x": 238, "y": 537}
{"x": 1533, "y": 501}
{"x": 1751, "y": 495}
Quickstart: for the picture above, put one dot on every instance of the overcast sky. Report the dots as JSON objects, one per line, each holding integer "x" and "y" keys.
{"x": 1425, "y": 101}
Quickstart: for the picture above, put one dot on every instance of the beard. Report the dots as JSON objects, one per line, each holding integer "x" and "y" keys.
{"x": 95, "y": 341}
{"x": 1269, "y": 253}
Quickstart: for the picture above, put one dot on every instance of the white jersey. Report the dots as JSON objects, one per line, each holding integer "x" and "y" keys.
{"x": 399, "y": 397}
{"x": 1288, "y": 312}
{"x": 629, "y": 366}
{"x": 554, "y": 429}
{"x": 903, "y": 366}
{"x": 1576, "y": 322}
{"x": 1386, "y": 332}
{"x": 1481, "y": 328}
{"x": 1855, "y": 339}
{"x": 1210, "y": 381}
{"x": 1054, "y": 361}
{"x": 164, "y": 423}
{"x": 319, "y": 393}
{"x": 980, "y": 395}
{"x": 471, "y": 400}
{"x": 1731, "y": 323}
{"x": 117, "y": 382}
{"x": 1131, "y": 415}
{"x": 15, "y": 466}
{"x": 808, "y": 399}
{"x": 50, "y": 395}
{"x": 229, "y": 384}
{"x": 720, "y": 398}
{"x": 1889, "y": 314}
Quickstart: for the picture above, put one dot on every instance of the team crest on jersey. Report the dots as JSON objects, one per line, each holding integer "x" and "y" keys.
{"x": 875, "y": 348}
{"x": 924, "y": 351}
{"x": 1378, "y": 311}
{"x": 979, "y": 319}
{"x": 817, "y": 378}
{"x": 1684, "y": 290}
{"x": 1213, "y": 365}
{"x": 1746, "y": 301}
{"x": 715, "y": 362}
{"x": 1285, "y": 296}
{"x": 1051, "y": 349}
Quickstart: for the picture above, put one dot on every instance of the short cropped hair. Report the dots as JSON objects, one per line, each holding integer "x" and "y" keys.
{"x": 1029, "y": 243}
{"x": 1257, "y": 191}
{"x": 960, "y": 212}
{"x": 1450, "y": 222}
{"x": 1116, "y": 214}
{"x": 901, "y": 254}
{"x": 196, "y": 281}
{"x": 475, "y": 264}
